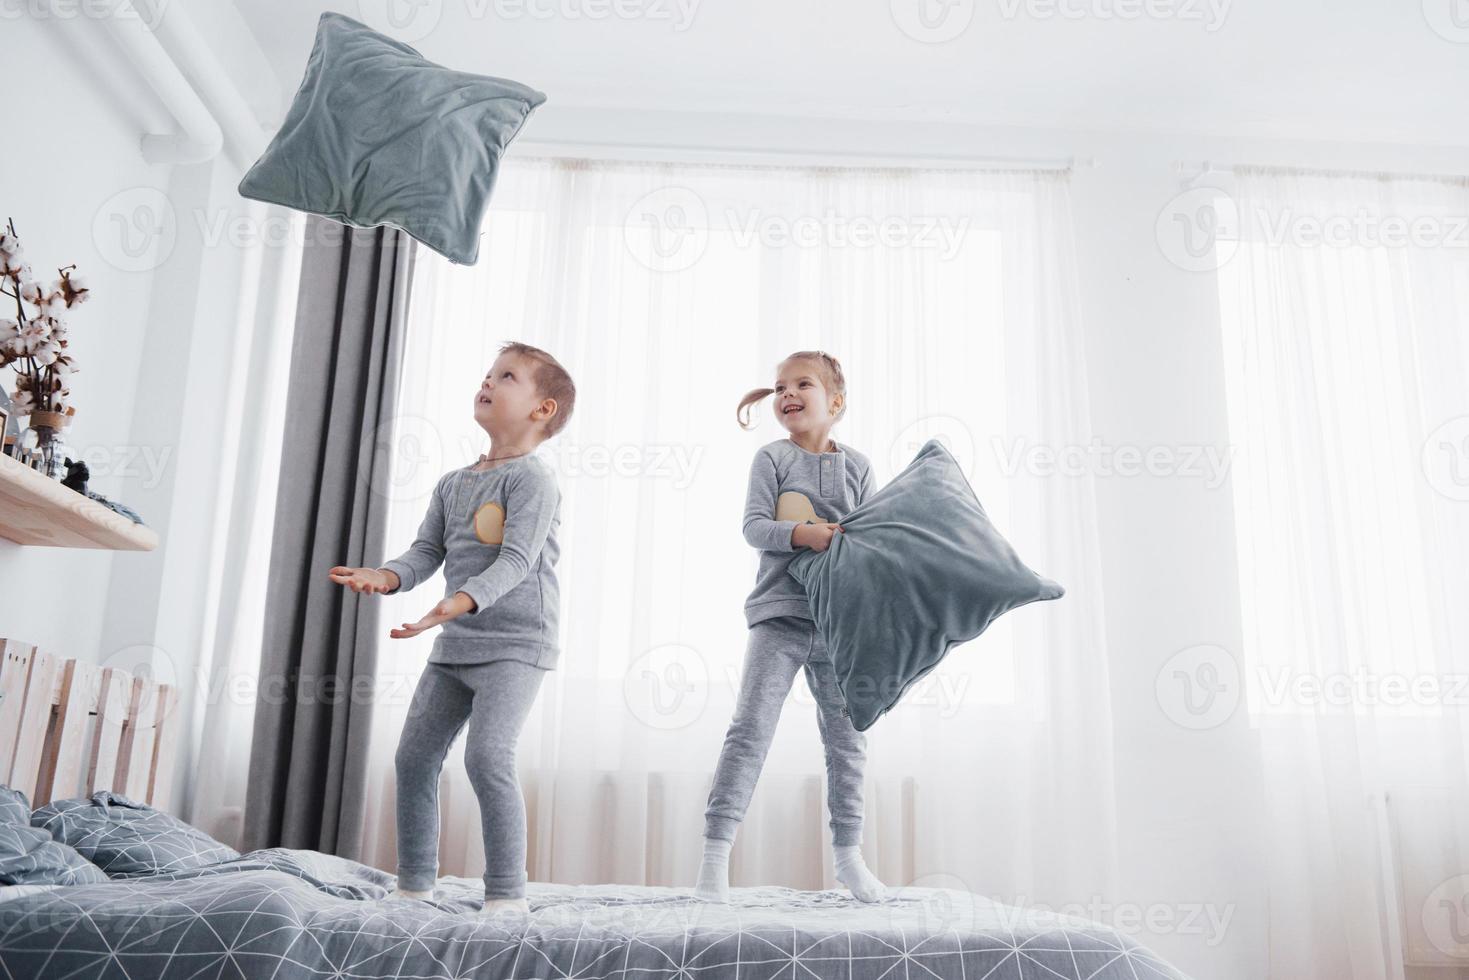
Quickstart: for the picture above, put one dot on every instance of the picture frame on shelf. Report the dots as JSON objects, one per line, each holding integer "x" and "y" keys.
{"x": 11, "y": 428}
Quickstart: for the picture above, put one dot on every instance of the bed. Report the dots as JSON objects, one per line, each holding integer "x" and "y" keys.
{"x": 285, "y": 913}
{"x": 143, "y": 895}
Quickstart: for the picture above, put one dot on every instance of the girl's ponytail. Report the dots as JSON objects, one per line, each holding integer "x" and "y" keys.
{"x": 752, "y": 398}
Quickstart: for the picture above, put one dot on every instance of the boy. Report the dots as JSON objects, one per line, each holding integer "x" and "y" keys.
{"x": 493, "y": 525}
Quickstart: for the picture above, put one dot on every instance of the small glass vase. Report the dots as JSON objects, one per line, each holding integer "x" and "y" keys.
{"x": 49, "y": 443}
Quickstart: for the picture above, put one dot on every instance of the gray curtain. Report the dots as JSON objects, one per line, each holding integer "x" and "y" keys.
{"x": 308, "y": 754}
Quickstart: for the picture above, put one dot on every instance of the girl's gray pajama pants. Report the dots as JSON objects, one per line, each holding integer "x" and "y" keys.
{"x": 777, "y": 648}
{"x": 493, "y": 699}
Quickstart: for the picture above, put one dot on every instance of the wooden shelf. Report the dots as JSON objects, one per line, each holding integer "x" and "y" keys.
{"x": 35, "y": 509}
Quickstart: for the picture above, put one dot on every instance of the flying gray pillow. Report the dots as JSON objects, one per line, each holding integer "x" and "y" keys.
{"x": 380, "y": 135}
{"x": 919, "y": 569}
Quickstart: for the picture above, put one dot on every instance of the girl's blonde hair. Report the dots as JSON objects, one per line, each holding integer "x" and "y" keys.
{"x": 829, "y": 368}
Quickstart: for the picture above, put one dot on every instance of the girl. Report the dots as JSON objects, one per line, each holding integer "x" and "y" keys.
{"x": 800, "y": 487}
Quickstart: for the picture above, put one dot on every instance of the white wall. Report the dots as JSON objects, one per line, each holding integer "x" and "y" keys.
{"x": 53, "y": 188}
{"x": 165, "y": 249}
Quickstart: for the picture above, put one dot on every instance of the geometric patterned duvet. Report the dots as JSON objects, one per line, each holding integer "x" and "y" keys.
{"x": 284, "y": 914}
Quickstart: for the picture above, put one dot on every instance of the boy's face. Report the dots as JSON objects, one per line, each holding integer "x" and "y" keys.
{"x": 802, "y": 402}
{"x": 507, "y": 397}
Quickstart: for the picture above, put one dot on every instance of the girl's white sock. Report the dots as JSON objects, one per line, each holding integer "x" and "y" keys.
{"x": 852, "y": 871}
{"x": 412, "y": 893}
{"x": 713, "y": 883}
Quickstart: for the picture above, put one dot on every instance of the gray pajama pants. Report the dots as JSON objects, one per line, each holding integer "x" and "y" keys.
{"x": 777, "y": 648}
{"x": 493, "y": 699}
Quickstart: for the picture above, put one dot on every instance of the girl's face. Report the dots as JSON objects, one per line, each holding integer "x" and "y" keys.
{"x": 802, "y": 402}
{"x": 507, "y": 397}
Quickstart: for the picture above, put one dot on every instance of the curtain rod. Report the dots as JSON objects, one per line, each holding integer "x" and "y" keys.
{"x": 1197, "y": 170}
{"x": 676, "y": 153}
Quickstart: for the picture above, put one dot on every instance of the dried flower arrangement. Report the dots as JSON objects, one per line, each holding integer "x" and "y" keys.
{"x": 34, "y": 342}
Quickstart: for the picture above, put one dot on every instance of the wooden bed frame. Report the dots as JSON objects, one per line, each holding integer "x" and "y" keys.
{"x": 69, "y": 729}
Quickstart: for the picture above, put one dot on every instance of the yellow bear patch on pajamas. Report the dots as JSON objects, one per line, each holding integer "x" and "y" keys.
{"x": 793, "y": 506}
{"x": 489, "y": 523}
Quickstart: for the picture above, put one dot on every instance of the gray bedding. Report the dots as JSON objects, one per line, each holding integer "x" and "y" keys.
{"x": 286, "y": 914}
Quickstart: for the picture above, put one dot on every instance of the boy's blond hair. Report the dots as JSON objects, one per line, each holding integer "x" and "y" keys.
{"x": 551, "y": 381}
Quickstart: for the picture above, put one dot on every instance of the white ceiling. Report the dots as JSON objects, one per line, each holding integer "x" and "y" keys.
{"x": 1352, "y": 70}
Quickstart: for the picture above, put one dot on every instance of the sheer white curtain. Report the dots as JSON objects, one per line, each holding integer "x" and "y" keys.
{"x": 669, "y": 291}
{"x": 225, "y": 679}
{"x": 1344, "y": 313}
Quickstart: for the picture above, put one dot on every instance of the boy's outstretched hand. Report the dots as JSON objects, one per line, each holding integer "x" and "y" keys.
{"x": 374, "y": 580}
{"x": 456, "y": 605}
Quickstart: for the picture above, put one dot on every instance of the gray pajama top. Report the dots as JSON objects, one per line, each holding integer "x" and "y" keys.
{"x": 789, "y": 486}
{"x": 495, "y": 534}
